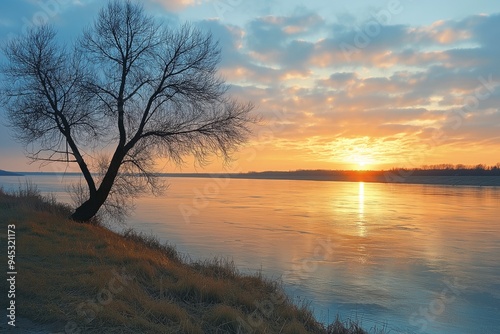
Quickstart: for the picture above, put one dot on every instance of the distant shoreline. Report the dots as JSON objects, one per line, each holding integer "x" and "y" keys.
{"x": 479, "y": 178}
{"x": 6, "y": 173}
{"x": 379, "y": 177}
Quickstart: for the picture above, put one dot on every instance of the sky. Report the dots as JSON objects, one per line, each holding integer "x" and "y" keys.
{"x": 338, "y": 84}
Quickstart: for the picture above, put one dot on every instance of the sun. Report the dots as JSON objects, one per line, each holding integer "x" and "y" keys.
{"x": 361, "y": 162}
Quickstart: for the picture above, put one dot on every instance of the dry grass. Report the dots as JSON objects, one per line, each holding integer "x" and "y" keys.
{"x": 88, "y": 278}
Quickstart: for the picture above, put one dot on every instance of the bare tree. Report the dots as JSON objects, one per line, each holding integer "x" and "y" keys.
{"x": 130, "y": 84}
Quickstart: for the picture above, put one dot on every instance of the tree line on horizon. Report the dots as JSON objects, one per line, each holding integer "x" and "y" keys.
{"x": 459, "y": 167}
{"x": 425, "y": 170}
{"x": 453, "y": 170}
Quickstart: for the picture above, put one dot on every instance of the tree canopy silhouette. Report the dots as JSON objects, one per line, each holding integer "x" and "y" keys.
{"x": 129, "y": 83}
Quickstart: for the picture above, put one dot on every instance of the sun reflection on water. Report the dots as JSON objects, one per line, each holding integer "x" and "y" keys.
{"x": 360, "y": 223}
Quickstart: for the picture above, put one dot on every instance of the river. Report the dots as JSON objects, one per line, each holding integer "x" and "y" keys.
{"x": 407, "y": 258}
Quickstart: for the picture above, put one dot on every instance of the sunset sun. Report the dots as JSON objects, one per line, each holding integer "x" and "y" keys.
{"x": 361, "y": 161}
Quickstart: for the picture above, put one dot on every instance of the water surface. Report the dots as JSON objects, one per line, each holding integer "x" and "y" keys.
{"x": 415, "y": 258}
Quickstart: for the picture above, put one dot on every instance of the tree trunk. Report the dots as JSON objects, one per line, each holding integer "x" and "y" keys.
{"x": 85, "y": 212}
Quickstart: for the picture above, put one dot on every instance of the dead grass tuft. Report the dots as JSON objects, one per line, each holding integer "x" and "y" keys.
{"x": 224, "y": 319}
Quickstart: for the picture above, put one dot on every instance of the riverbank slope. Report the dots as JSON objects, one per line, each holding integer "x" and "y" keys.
{"x": 75, "y": 278}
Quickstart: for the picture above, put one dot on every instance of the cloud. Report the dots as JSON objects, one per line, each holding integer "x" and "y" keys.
{"x": 398, "y": 89}
{"x": 347, "y": 86}
{"x": 177, "y": 5}
{"x": 283, "y": 40}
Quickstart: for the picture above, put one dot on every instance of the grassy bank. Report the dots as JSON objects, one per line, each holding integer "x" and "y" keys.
{"x": 76, "y": 278}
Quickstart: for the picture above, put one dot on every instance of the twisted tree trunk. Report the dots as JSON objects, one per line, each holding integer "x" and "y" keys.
{"x": 85, "y": 212}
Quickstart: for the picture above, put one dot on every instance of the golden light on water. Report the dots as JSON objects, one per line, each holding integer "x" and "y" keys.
{"x": 361, "y": 210}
